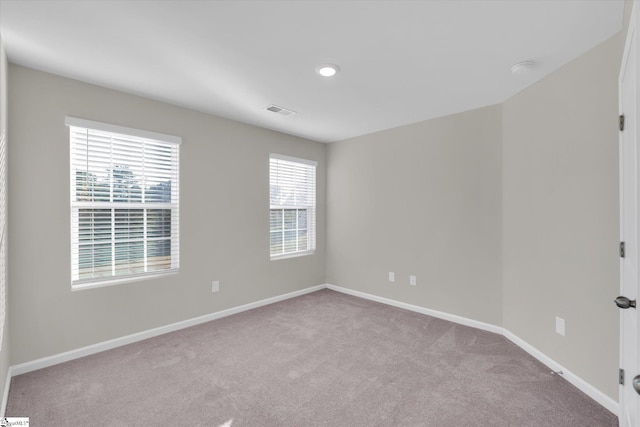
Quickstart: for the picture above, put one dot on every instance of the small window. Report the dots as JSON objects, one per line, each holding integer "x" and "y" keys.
{"x": 292, "y": 185}
{"x": 124, "y": 203}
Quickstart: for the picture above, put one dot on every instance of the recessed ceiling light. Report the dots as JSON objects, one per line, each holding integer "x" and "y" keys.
{"x": 327, "y": 70}
{"x": 522, "y": 68}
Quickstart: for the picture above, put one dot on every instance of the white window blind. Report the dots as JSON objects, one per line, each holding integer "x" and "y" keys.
{"x": 124, "y": 203}
{"x": 292, "y": 185}
{"x": 3, "y": 231}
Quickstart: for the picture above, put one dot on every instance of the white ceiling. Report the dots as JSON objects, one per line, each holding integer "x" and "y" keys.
{"x": 402, "y": 61}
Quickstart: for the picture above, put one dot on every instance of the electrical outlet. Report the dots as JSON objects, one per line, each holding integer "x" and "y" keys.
{"x": 215, "y": 286}
{"x": 412, "y": 280}
{"x": 560, "y": 325}
{"x": 392, "y": 276}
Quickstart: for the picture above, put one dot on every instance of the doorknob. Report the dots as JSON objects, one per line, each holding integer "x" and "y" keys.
{"x": 624, "y": 302}
{"x": 636, "y": 383}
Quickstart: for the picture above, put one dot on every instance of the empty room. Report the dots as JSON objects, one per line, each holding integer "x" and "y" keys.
{"x": 319, "y": 213}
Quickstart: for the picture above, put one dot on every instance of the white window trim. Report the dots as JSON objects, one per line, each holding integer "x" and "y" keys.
{"x": 293, "y": 159}
{"x": 292, "y": 255}
{"x": 120, "y": 280}
{"x": 314, "y": 164}
{"x": 106, "y": 127}
{"x": 116, "y": 129}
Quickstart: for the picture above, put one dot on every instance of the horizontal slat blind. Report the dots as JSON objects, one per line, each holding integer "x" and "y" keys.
{"x": 124, "y": 205}
{"x": 292, "y": 184}
{"x": 3, "y": 231}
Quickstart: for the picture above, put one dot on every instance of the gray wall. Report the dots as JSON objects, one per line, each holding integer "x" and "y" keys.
{"x": 4, "y": 353}
{"x": 560, "y": 164}
{"x": 424, "y": 200}
{"x": 223, "y": 212}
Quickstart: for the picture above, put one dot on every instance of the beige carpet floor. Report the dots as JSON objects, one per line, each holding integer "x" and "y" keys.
{"x": 323, "y": 359}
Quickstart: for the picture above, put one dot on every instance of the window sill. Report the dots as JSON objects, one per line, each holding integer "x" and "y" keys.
{"x": 120, "y": 280}
{"x": 292, "y": 255}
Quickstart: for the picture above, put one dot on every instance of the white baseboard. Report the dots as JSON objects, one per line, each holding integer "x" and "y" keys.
{"x": 578, "y": 382}
{"x": 418, "y": 309}
{"x": 118, "y": 342}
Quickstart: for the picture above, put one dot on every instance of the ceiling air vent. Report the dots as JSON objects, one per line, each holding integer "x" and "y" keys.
{"x": 280, "y": 110}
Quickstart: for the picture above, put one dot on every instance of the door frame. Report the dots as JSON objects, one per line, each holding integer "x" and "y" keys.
{"x": 632, "y": 33}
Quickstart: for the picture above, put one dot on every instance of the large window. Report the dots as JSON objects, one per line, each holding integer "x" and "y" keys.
{"x": 124, "y": 203}
{"x": 292, "y": 184}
